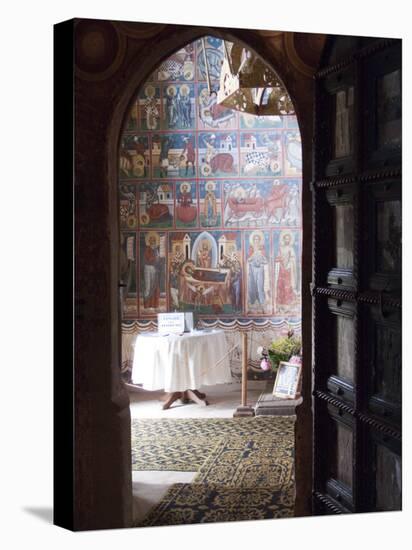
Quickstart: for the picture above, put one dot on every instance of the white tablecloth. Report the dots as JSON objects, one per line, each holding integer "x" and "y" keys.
{"x": 178, "y": 363}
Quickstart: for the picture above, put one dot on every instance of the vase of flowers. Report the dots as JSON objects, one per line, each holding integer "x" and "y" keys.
{"x": 283, "y": 349}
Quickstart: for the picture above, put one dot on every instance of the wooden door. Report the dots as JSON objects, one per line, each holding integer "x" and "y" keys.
{"x": 356, "y": 288}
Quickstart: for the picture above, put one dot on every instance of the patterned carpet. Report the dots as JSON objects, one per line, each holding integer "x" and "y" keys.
{"x": 187, "y": 503}
{"x": 239, "y": 462}
{"x": 185, "y": 444}
{"x": 244, "y": 467}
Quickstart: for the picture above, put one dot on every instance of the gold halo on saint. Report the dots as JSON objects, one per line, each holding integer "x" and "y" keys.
{"x": 187, "y": 185}
{"x": 144, "y": 218}
{"x": 184, "y": 89}
{"x": 283, "y": 234}
{"x": 240, "y": 192}
{"x": 150, "y": 235}
{"x": 131, "y": 221}
{"x": 210, "y": 186}
{"x": 204, "y": 242}
{"x": 206, "y": 170}
{"x": 188, "y": 70}
{"x": 274, "y": 166}
{"x": 171, "y": 90}
{"x": 138, "y": 170}
{"x": 259, "y": 234}
{"x": 149, "y": 91}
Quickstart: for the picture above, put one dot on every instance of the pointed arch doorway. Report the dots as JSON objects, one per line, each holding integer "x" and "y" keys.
{"x": 106, "y": 80}
{"x": 144, "y": 169}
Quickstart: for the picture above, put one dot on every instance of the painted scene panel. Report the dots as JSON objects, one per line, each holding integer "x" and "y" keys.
{"x": 249, "y": 122}
{"x": 156, "y": 204}
{"x": 128, "y": 206}
{"x": 206, "y": 272}
{"x": 178, "y": 106}
{"x": 211, "y": 115}
{"x": 173, "y": 155}
{"x": 210, "y": 189}
{"x": 134, "y": 156}
{"x": 218, "y": 154}
{"x": 260, "y": 154}
{"x": 179, "y": 67}
{"x": 210, "y": 55}
{"x": 259, "y": 203}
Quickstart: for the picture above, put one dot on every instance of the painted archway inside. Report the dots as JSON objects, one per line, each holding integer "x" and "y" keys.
{"x": 210, "y": 207}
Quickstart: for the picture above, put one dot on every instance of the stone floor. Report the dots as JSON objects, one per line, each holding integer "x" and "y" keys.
{"x": 223, "y": 401}
{"x": 150, "y": 486}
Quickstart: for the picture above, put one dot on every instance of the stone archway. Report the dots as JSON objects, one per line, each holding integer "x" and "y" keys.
{"x": 102, "y": 423}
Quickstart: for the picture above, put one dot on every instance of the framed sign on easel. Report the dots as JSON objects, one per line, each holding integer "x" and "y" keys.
{"x": 287, "y": 380}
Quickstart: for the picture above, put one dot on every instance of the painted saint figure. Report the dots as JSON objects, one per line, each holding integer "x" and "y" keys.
{"x": 126, "y": 194}
{"x": 210, "y": 148}
{"x": 210, "y": 207}
{"x": 151, "y": 270}
{"x": 139, "y": 161}
{"x": 276, "y": 201}
{"x": 185, "y": 106}
{"x": 186, "y": 212}
{"x": 185, "y": 197}
{"x": 258, "y": 271}
{"x": 286, "y": 279}
{"x": 177, "y": 261}
{"x": 126, "y": 266}
{"x": 165, "y": 145}
{"x": 204, "y": 255}
{"x": 292, "y": 209}
{"x": 172, "y": 107}
{"x": 231, "y": 261}
{"x": 150, "y": 108}
{"x": 211, "y": 113}
{"x": 189, "y": 153}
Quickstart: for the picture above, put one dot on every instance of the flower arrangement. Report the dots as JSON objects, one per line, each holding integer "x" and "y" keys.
{"x": 279, "y": 350}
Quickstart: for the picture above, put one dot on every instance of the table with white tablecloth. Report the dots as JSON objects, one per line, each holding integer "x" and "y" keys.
{"x": 179, "y": 364}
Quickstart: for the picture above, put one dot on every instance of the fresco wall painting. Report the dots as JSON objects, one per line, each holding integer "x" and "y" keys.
{"x": 210, "y": 201}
